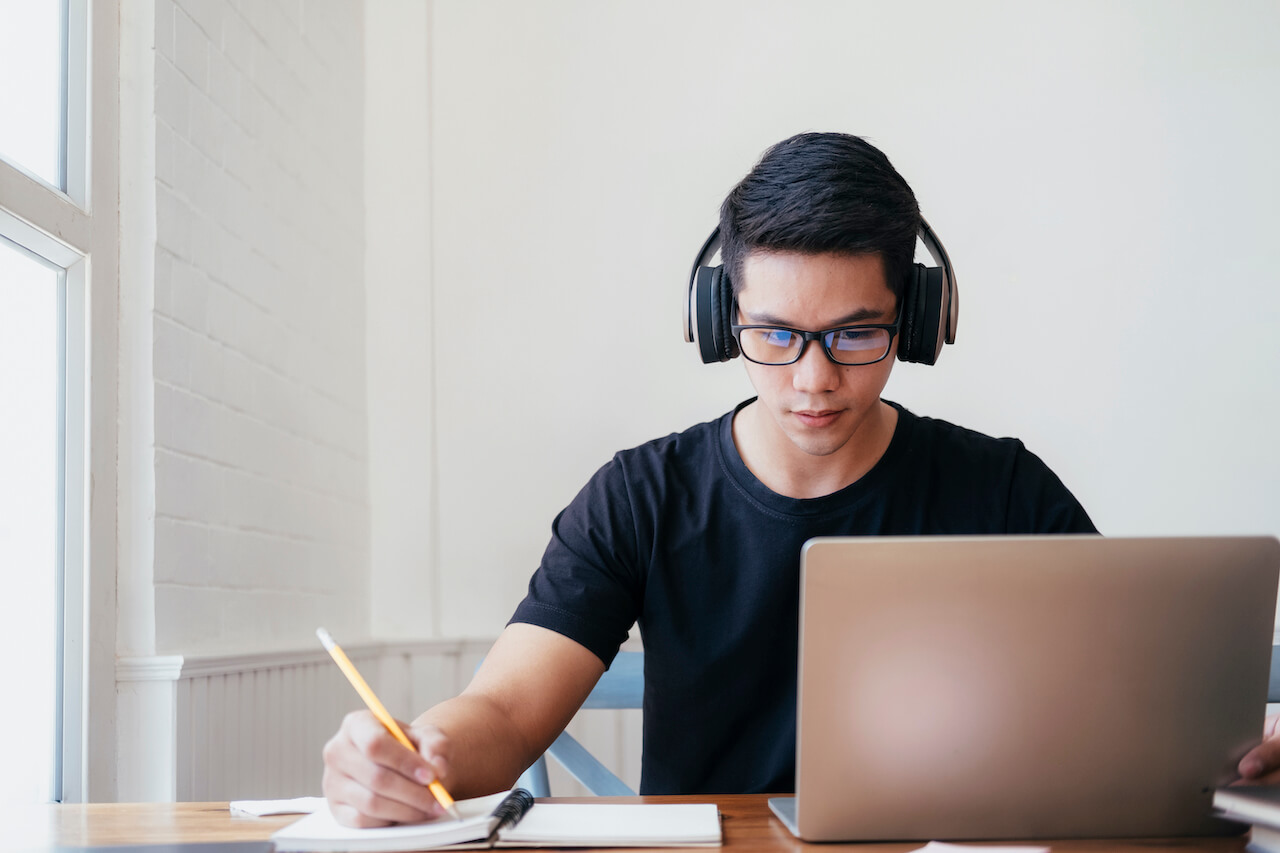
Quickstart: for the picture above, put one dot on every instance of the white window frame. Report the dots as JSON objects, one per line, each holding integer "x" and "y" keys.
{"x": 78, "y": 231}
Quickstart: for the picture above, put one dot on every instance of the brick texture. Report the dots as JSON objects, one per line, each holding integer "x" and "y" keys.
{"x": 261, "y": 504}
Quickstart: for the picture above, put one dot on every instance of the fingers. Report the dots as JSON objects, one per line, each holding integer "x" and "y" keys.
{"x": 370, "y": 779}
{"x": 1262, "y": 763}
{"x": 434, "y": 748}
{"x": 356, "y": 804}
{"x": 374, "y": 742}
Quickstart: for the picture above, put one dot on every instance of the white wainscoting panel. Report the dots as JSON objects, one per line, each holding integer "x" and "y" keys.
{"x": 252, "y": 726}
{"x": 226, "y": 727}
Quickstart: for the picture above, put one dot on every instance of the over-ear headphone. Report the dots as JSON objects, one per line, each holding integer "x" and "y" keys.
{"x": 929, "y": 305}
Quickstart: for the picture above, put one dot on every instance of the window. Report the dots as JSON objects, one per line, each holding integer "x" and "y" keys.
{"x": 30, "y": 519}
{"x": 33, "y": 81}
{"x": 33, "y": 57}
{"x": 58, "y": 293}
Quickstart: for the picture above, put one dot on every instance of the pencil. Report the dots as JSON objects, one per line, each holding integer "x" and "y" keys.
{"x": 370, "y": 698}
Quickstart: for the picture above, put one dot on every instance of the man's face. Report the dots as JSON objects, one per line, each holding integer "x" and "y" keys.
{"x": 814, "y": 405}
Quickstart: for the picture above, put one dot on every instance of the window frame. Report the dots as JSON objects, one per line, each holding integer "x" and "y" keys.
{"x": 67, "y": 229}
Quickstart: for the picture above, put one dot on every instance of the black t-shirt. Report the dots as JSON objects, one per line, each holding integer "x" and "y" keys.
{"x": 678, "y": 535}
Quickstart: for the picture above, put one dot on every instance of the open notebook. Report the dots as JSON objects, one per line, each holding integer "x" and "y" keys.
{"x": 514, "y": 820}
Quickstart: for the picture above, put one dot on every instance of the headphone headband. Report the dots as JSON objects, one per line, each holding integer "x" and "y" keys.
{"x": 938, "y": 252}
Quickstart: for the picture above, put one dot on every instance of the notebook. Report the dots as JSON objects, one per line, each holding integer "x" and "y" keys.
{"x": 1027, "y": 687}
{"x": 163, "y": 847}
{"x": 1250, "y": 804}
{"x": 514, "y": 820}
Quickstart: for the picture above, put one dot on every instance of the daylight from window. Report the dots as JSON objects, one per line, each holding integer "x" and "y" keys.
{"x": 30, "y": 377}
{"x": 31, "y": 86}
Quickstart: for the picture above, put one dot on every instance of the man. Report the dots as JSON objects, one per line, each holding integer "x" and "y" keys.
{"x": 697, "y": 535}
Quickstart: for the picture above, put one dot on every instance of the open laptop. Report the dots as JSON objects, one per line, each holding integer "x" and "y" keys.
{"x": 1026, "y": 687}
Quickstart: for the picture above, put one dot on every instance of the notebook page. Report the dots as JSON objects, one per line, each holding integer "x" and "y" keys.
{"x": 607, "y": 824}
{"x": 320, "y": 832}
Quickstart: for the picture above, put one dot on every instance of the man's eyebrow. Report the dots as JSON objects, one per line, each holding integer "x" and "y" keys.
{"x": 862, "y": 315}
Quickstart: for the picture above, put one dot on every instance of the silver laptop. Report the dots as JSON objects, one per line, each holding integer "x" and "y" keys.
{"x": 1026, "y": 687}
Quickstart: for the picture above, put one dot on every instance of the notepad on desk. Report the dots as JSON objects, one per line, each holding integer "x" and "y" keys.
{"x": 514, "y": 820}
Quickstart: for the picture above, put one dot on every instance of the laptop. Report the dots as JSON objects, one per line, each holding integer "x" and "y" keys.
{"x": 1026, "y": 687}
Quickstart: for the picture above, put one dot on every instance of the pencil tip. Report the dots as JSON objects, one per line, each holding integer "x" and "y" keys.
{"x": 325, "y": 639}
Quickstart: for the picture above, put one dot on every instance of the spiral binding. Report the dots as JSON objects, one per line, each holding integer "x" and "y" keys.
{"x": 512, "y": 808}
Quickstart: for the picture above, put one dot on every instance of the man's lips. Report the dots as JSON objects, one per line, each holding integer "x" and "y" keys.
{"x": 816, "y": 418}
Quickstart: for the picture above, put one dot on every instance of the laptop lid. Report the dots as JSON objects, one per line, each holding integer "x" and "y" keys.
{"x": 1027, "y": 687}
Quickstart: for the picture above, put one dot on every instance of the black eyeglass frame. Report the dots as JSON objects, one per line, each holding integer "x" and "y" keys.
{"x": 737, "y": 329}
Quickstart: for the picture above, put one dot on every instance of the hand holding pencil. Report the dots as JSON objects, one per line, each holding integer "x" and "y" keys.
{"x": 369, "y": 779}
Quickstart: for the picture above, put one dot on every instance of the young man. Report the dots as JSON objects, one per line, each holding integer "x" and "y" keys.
{"x": 697, "y": 536}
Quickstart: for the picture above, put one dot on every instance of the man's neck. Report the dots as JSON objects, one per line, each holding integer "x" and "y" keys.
{"x": 787, "y": 470}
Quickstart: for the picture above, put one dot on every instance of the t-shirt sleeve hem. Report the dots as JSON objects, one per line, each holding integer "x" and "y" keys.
{"x": 569, "y": 625}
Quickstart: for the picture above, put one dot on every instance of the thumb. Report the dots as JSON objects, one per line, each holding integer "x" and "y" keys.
{"x": 1262, "y": 763}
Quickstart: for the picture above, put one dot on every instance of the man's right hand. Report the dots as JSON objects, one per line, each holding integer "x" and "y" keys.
{"x": 370, "y": 779}
{"x": 522, "y": 696}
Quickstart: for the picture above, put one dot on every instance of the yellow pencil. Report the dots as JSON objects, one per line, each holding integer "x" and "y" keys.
{"x": 371, "y": 699}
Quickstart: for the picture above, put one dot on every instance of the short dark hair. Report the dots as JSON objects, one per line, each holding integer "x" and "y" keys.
{"x": 822, "y": 192}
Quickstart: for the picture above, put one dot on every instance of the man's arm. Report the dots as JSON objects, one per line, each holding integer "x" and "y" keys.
{"x": 527, "y": 690}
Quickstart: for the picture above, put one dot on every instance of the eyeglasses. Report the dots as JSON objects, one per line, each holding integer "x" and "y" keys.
{"x": 847, "y": 345}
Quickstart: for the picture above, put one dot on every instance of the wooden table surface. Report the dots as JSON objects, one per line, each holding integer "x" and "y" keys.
{"x": 748, "y": 826}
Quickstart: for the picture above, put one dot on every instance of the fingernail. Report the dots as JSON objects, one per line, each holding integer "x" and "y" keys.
{"x": 1250, "y": 767}
{"x": 423, "y": 775}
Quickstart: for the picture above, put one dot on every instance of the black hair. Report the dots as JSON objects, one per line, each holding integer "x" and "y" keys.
{"x": 822, "y": 192}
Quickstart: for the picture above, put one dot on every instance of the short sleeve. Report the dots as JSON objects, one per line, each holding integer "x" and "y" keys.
{"x": 589, "y": 585}
{"x": 1039, "y": 502}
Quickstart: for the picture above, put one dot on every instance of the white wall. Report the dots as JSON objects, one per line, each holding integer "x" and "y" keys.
{"x": 538, "y": 177}
{"x": 245, "y": 501}
{"x": 1099, "y": 171}
{"x": 398, "y": 317}
{"x": 1102, "y": 174}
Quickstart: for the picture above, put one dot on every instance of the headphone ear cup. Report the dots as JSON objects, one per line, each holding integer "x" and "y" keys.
{"x": 713, "y": 312}
{"x": 907, "y": 316}
{"x": 932, "y": 326}
{"x": 723, "y": 346}
{"x": 950, "y": 307}
{"x": 702, "y": 316}
{"x": 922, "y": 328}
{"x": 727, "y": 346}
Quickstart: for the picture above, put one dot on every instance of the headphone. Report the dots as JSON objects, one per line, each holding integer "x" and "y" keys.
{"x": 930, "y": 305}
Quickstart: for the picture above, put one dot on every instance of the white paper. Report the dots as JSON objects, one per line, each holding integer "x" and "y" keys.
{"x": 320, "y": 831}
{"x": 944, "y": 847}
{"x": 611, "y": 825}
{"x": 261, "y": 808}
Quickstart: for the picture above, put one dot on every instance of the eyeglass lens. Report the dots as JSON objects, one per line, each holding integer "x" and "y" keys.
{"x": 846, "y": 346}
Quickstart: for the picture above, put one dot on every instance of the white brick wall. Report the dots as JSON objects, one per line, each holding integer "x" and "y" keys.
{"x": 261, "y": 498}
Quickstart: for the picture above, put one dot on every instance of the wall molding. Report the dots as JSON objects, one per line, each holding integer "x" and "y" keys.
{"x": 174, "y": 667}
{"x": 158, "y": 668}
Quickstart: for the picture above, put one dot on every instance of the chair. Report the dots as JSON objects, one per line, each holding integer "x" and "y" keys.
{"x": 622, "y": 686}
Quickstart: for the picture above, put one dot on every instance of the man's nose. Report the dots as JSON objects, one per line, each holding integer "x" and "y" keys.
{"x": 814, "y": 373}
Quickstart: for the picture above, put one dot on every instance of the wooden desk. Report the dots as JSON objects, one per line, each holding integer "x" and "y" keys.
{"x": 748, "y": 827}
